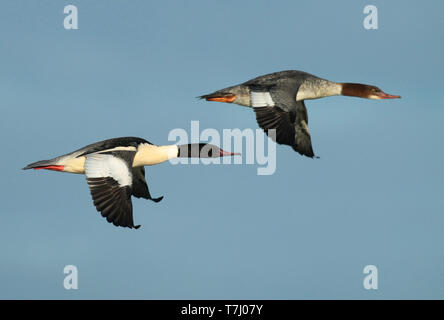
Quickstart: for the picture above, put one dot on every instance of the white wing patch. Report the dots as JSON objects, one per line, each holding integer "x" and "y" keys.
{"x": 105, "y": 165}
{"x": 261, "y": 99}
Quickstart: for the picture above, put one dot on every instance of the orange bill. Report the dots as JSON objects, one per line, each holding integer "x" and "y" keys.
{"x": 228, "y": 99}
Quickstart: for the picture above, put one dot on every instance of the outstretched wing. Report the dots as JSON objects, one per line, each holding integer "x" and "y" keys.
{"x": 275, "y": 105}
{"x": 110, "y": 180}
{"x": 140, "y": 187}
{"x": 291, "y": 126}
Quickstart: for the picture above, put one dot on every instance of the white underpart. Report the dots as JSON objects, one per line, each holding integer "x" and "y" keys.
{"x": 104, "y": 165}
{"x": 261, "y": 99}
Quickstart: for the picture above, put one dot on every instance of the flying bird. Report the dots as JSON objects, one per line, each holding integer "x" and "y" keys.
{"x": 278, "y": 101}
{"x": 114, "y": 171}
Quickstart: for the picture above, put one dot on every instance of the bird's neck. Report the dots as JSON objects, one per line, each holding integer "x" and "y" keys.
{"x": 318, "y": 88}
{"x": 354, "y": 90}
{"x": 195, "y": 150}
{"x": 148, "y": 154}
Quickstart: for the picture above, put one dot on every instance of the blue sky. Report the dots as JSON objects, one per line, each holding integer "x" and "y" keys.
{"x": 134, "y": 68}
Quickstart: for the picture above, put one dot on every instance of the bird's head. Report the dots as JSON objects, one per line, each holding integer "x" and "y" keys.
{"x": 202, "y": 150}
{"x": 365, "y": 91}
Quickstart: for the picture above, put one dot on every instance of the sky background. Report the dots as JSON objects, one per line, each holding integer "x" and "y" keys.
{"x": 134, "y": 68}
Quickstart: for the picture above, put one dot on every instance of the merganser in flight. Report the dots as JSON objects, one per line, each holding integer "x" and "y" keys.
{"x": 115, "y": 171}
{"x": 278, "y": 101}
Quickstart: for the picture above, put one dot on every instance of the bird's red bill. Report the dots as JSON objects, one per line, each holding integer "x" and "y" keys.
{"x": 226, "y": 153}
{"x": 383, "y": 95}
{"x": 228, "y": 99}
{"x": 54, "y": 168}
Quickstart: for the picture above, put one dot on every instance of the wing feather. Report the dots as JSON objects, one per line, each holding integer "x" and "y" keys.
{"x": 291, "y": 127}
{"x": 140, "y": 187}
{"x": 110, "y": 181}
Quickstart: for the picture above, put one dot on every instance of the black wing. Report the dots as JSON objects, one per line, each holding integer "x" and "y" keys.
{"x": 291, "y": 126}
{"x": 110, "y": 180}
{"x": 110, "y": 144}
{"x": 112, "y": 201}
{"x": 140, "y": 187}
{"x": 279, "y": 110}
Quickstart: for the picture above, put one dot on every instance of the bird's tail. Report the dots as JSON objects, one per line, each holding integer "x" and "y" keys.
{"x": 52, "y": 164}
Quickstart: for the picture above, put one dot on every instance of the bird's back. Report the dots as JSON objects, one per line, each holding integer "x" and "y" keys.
{"x": 278, "y": 77}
